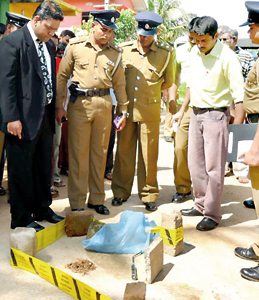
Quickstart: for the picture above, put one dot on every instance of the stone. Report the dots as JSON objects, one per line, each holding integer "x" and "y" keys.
{"x": 173, "y": 220}
{"x": 78, "y": 222}
{"x": 154, "y": 259}
{"x": 24, "y": 239}
{"x": 135, "y": 291}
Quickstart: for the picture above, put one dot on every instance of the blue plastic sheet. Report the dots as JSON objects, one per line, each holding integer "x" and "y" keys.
{"x": 131, "y": 235}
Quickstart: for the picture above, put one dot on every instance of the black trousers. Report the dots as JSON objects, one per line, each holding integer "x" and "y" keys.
{"x": 29, "y": 175}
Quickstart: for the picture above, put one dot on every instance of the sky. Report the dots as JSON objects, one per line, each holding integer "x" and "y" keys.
{"x": 226, "y": 12}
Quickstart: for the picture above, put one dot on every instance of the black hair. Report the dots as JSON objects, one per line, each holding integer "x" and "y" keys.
{"x": 49, "y": 10}
{"x": 68, "y": 32}
{"x": 192, "y": 23}
{"x": 61, "y": 47}
{"x": 206, "y": 25}
{"x": 2, "y": 28}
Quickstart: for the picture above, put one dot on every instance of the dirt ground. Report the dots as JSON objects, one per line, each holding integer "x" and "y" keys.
{"x": 206, "y": 270}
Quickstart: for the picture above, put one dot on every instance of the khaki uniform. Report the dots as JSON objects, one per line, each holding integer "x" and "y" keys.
{"x": 251, "y": 106}
{"x": 89, "y": 118}
{"x": 145, "y": 74}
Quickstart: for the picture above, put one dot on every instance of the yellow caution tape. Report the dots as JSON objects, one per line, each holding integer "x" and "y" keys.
{"x": 62, "y": 280}
{"x": 50, "y": 234}
{"x": 170, "y": 236}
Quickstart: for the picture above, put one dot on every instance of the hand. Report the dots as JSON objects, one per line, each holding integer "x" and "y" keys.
{"x": 251, "y": 158}
{"x": 177, "y": 117}
{"x": 172, "y": 107}
{"x": 121, "y": 123}
{"x": 60, "y": 113}
{"x": 15, "y": 128}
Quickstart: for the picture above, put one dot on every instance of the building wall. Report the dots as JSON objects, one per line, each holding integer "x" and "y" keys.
{"x": 4, "y": 6}
{"x": 88, "y": 6}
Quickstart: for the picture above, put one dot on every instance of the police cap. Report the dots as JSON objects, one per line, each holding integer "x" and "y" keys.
{"x": 106, "y": 17}
{"x": 253, "y": 13}
{"x": 148, "y": 22}
{"x": 16, "y": 19}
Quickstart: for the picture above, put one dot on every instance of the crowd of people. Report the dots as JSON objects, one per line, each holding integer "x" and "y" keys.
{"x": 58, "y": 99}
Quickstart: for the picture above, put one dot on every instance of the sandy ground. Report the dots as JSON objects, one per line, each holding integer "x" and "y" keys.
{"x": 207, "y": 269}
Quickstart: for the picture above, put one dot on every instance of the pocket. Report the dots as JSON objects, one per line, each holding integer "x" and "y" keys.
{"x": 153, "y": 100}
{"x": 83, "y": 65}
{"x": 152, "y": 74}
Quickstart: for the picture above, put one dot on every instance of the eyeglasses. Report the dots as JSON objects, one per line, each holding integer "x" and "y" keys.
{"x": 226, "y": 39}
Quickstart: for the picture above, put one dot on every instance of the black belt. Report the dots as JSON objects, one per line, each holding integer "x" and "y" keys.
{"x": 211, "y": 108}
{"x": 252, "y": 118}
{"x": 92, "y": 92}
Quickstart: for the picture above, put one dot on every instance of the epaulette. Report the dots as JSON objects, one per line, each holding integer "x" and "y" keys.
{"x": 163, "y": 46}
{"x": 115, "y": 47}
{"x": 78, "y": 40}
{"x": 125, "y": 44}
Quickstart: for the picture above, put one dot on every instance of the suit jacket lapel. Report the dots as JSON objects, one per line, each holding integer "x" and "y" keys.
{"x": 32, "y": 52}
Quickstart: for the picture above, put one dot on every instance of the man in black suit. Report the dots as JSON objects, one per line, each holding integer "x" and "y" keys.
{"x": 27, "y": 104}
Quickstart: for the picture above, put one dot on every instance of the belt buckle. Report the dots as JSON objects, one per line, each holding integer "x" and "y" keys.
{"x": 86, "y": 92}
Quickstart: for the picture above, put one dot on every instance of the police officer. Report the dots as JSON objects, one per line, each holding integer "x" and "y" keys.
{"x": 95, "y": 66}
{"x": 251, "y": 158}
{"x": 13, "y": 23}
{"x": 148, "y": 69}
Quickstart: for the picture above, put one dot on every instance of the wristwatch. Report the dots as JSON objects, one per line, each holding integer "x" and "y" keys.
{"x": 125, "y": 114}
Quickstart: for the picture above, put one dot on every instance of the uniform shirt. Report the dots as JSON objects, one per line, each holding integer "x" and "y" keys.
{"x": 216, "y": 78}
{"x": 145, "y": 73}
{"x": 92, "y": 69}
{"x": 251, "y": 100}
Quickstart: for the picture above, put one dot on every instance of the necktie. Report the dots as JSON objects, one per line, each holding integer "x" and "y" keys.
{"x": 45, "y": 73}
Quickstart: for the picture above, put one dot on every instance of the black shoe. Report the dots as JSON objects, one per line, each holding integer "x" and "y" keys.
{"x": 117, "y": 201}
{"x": 100, "y": 209}
{"x": 179, "y": 197}
{"x": 250, "y": 273}
{"x": 52, "y": 219}
{"x": 168, "y": 139}
{"x": 191, "y": 212}
{"x": 2, "y": 191}
{"x": 63, "y": 172}
{"x": 206, "y": 224}
{"x": 249, "y": 204}
{"x": 246, "y": 253}
{"x": 77, "y": 209}
{"x": 150, "y": 206}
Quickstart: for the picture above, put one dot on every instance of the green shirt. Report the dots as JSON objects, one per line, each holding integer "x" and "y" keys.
{"x": 216, "y": 78}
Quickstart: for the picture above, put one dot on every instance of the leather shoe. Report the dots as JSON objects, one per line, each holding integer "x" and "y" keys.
{"x": 179, "y": 197}
{"x": 2, "y": 191}
{"x": 206, "y": 224}
{"x": 52, "y": 219}
{"x": 100, "y": 209}
{"x": 246, "y": 253}
{"x": 250, "y": 273}
{"x": 54, "y": 193}
{"x": 150, "y": 206}
{"x": 77, "y": 209}
{"x": 117, "y": 201}
{"x": 249, "y": 204}
{"x": 35, "y": 226}
{"x": 192, "y": 212}
{"x": 59, "y": 183}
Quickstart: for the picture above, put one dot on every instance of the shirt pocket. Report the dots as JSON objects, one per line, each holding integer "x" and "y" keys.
{"x": 108, "y": 67}
{"x": 83, "y": 65}
{"x": 153, "y": 100}
{"x": 152, "y": 74}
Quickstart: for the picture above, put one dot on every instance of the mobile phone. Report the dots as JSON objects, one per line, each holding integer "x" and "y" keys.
{"x": 116, "y": 121}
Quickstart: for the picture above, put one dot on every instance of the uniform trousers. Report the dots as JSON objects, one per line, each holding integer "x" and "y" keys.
{"x": 254, "y": 176}
{"x": 146, "y": 137}
{"x": 29, "y": 175}
{"x": 89, "y": 130}
{"x": 182, "y": 177}
{"x": 168, "y": 129}
{"x": 208, "y": 142}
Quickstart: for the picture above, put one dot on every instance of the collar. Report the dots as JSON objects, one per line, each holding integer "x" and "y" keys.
{"x": 216, "y": 50}
{"x": 32, "y": 33}
{"x": 136, "y": 46}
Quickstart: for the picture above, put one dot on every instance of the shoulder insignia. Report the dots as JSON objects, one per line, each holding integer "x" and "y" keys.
{"x": 115, "y": 47}
{"x": 163, "y": 46}
{"x": 78, "y": 39}
{"x": 125, "y": 44}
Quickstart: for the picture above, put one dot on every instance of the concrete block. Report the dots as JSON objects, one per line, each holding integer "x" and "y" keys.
{"x": 135, "y": 291}
{"x": 173, "y": 220}
{"x": 154, "y": 259}
{"x": 24, "y": 239}
{"x": 78, "y": 222}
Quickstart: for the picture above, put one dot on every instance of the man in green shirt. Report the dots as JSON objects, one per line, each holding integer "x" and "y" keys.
{"x": 215, "y": 80}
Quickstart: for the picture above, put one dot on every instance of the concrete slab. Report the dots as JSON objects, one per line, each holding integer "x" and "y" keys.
{"x": 207, "y": 269}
